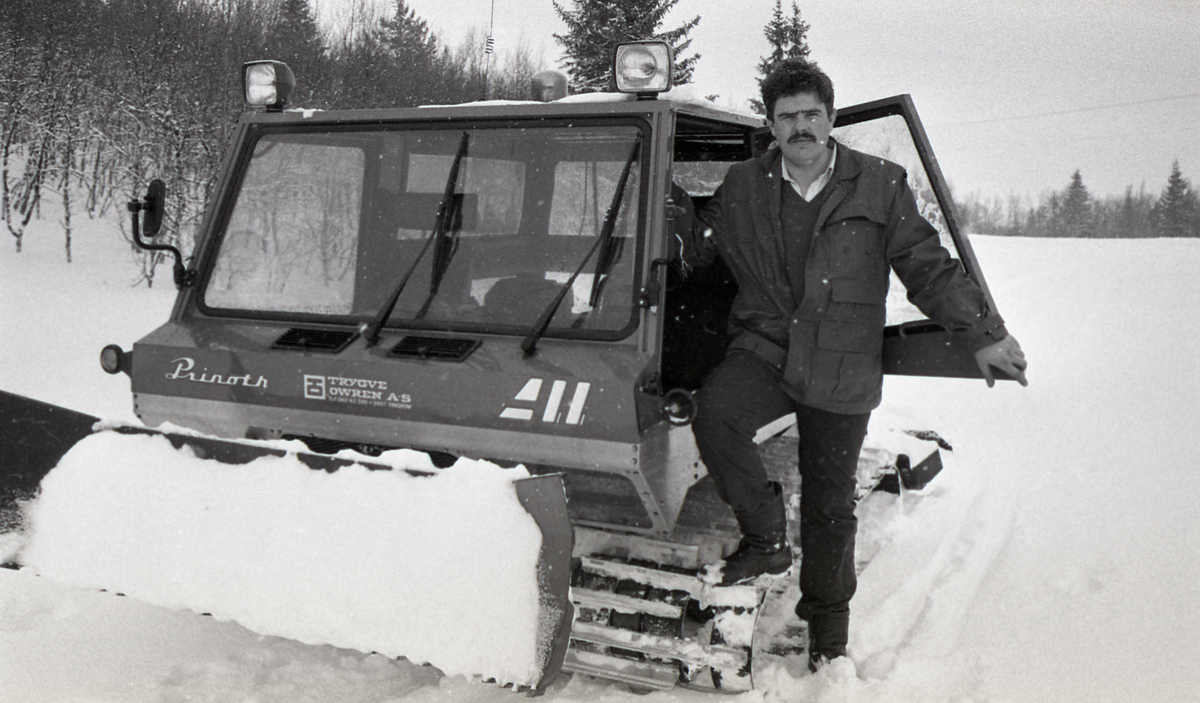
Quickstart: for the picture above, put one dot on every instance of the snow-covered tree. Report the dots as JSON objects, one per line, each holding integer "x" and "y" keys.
{"x": 43, "y": 81}
{"x": 384, "y": 62}
{"x": 595, "y": 27}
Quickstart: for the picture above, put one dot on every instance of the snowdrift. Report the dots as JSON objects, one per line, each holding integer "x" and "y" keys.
{"x": 382, "y": 556}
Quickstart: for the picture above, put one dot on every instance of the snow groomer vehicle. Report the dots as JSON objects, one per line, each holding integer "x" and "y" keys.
{"x": 494, "y": 281}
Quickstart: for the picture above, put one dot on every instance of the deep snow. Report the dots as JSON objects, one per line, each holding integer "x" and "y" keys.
{"x": 1053, "y": 560}
{"x": 356, "y": 558}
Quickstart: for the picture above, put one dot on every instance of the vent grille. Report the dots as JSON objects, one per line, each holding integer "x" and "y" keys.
{"x": 439, "y": 348}
{"x": 311, "y": 340}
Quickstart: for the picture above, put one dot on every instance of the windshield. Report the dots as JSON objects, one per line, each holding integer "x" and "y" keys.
{"x": 330, "y": 225}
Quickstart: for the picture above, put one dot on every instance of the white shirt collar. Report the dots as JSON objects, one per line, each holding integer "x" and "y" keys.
{"x": 816, "y": 185}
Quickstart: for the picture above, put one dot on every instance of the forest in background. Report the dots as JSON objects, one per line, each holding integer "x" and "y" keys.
{"x": 1074, "y": 212}
{"x": 99, "y": 96}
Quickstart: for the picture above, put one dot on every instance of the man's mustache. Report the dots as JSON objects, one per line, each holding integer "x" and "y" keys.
{"x": 802, "y": 137}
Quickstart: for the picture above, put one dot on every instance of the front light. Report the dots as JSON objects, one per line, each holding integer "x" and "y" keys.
{"x": 267, "y": 84}
{"x": 114, "y": 359}
{"x": 643, "y": 67}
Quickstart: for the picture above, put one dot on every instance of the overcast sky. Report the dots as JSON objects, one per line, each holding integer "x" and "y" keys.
{"x": 1015, "y": 94}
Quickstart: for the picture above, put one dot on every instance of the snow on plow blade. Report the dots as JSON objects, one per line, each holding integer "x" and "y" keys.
{"x": 465, "y": 568}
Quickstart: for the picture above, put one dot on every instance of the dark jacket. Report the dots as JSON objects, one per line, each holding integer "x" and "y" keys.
{"x": 829, "y": 344}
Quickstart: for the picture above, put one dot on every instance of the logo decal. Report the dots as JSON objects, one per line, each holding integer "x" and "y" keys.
{"x": 184, "y": 372}
{"x": 356, "y": 391}
{"x": 314, "y": 387}
{"x": 531, "y": 394}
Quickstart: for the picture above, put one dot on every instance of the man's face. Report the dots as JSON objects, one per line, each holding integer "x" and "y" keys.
{"x": 801, "y": 127}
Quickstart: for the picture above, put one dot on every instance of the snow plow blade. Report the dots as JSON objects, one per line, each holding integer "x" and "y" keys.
{"x": 465, "y": 568}
{"x": 33, "y": 437}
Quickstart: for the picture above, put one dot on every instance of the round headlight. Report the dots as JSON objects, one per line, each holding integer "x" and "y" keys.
{"x": 112, "y": 359}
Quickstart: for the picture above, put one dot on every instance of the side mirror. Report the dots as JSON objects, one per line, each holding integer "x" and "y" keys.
{"x": 153, "y": 206}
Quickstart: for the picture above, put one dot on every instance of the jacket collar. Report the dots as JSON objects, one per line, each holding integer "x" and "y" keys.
{"x": 847, "y": 165}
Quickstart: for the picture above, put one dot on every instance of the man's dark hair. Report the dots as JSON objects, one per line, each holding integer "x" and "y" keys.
{"x": 794, "y": 76}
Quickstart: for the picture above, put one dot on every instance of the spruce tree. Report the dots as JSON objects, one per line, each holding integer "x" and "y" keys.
{"x": 595, "y": 27}
{"x": 788, "y": 40}
{"x": 1076, "y": 209}
{"x": 1128, "y": 220}
{"x": 1176, "y": 211}
{"x": 413, "y": 52}
{"x": 407, "y": 36}
{"x": 296, "y": 40}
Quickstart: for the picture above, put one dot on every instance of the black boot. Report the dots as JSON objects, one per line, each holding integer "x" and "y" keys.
{"x": 828, "y": 634}
{"x": 764, "y": 547}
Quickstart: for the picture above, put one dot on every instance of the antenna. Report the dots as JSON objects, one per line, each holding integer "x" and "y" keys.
{"x": 487, "y": 51}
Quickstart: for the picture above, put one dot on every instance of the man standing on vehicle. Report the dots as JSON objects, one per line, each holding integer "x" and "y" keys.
{"x": 810, "y": 231}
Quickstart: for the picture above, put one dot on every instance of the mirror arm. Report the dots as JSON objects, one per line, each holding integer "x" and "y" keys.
{"x": 152, "y": 204}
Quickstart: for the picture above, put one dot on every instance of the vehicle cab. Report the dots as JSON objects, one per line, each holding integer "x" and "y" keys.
{"x": 489, "y": 280}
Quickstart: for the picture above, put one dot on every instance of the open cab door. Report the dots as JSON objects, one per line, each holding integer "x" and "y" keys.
{"x": 913, "y": 345}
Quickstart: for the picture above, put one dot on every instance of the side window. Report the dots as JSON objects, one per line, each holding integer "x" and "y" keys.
{"x": 700, "y": 178}
{"x": 291, "y": 241}
{"x": 582, "y": 193}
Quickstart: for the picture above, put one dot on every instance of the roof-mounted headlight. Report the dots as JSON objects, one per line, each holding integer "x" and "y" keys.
{"x": 267, "y": 84}
{"x": 549, "y": 86}
{"x": 643, "y": 68}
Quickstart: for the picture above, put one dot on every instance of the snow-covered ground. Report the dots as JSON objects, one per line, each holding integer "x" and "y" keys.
{"x": 1054, "y": 559}
{"x": 357, "y": 558}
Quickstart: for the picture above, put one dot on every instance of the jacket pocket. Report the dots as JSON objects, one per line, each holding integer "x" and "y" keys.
{"x": 854, "y": 208}
{"x": 836, "y": 365}
{"x": 849, "y": 337}
{"x": 855, "y": 247}
{"x": 847, "y": 363}
{"x": 858, "y": 300}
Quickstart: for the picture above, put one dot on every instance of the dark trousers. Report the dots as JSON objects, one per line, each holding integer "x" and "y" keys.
{"x": 740, "y": 396}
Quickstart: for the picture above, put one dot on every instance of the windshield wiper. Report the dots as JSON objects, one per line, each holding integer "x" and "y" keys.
{"x": 603, "y": 241}
{"x": 449, "y": 221}
{"x": 445, "y": 215}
